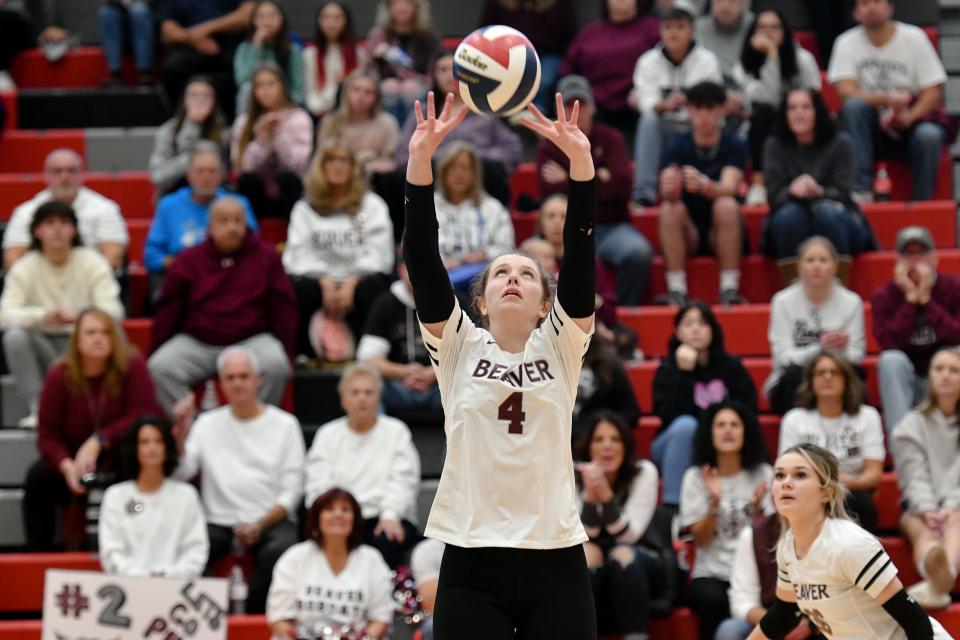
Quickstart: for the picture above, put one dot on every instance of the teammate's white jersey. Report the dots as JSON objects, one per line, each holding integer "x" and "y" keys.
{"x": 837, "y": 580}
{"x": 508, "y": 476}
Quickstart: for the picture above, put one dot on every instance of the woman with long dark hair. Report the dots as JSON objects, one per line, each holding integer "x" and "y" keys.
{"x": 268, "y": 41}
{"x": 150, "y": 524}
{"x": 723, "y": 492}
{"x": 272, "y": 142}
{"x": 618, "y": 493}
{"x": 332, "y": 57}
{"x": 696, "y": 373}
{"x": 832, "y": 413}
{"x": 809, "y": 176}
{"x": 197, "y": 118}
{"x": 771, "y": 64}
{"x": 331, "y": 580}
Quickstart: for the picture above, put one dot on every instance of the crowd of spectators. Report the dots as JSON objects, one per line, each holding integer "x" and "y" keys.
{"x": 722, "y": 109}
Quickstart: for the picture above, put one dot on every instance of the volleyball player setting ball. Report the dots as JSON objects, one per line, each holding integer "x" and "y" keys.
{"x": 830, "y": 569}
{"x": 514, "y": 565}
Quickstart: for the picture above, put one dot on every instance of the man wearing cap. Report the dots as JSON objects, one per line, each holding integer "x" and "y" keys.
{"x": 659, "y": 79}
{"x": 43, "y": 294}
{"x": 915, "y": 314}
{"x": 619, "y": 244}
{"x": 99, "y": 221}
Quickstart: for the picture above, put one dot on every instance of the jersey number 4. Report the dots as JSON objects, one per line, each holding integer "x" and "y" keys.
{"x": 511, "y": 410}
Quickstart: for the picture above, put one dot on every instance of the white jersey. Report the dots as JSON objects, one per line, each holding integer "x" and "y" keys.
{"x": 508, "y": 477}
{"x": 837, "y": 580}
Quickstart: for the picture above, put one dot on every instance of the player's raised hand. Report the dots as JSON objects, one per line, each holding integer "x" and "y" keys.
{"x": 431, "y": 130}
{"x": 566, "y": 134}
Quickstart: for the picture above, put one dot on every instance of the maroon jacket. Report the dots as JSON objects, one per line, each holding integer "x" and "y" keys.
{"x": 918, "y": 330}
{"x": 65, "y": 418}
{"x": 609, "y": 152}
{"x": 221, "y": 300}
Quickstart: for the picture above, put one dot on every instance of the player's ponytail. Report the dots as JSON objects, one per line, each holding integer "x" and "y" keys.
{"x": 827, "y": 468}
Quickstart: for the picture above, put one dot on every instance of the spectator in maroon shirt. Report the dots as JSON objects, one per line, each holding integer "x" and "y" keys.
{"x": 606, "y": 51}
{"x": 229, "y": 290}
{"x": 914, "y": 315}
{"x": 619, "y": 244}
{"x": 89, "y": 399}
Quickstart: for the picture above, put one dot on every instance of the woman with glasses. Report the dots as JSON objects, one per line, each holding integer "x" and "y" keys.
{"x": 831, "y": 413}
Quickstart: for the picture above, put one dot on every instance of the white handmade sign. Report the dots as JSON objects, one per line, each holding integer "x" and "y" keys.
{"x": 85, "y": 605}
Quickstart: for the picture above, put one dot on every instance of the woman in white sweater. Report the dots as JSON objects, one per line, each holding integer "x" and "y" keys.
{"x": 331, "y": 582}
{"x": 926, "y": 449}
{"x": 151, "y": 525}
{"x": 831, "y": 413}
{"x": 339, "y": 248}
{"x": 474, "y": 227}
{"x": 618, "y": 497}
{"x": 43, "y": 294}
{"x": 811, "y": 315}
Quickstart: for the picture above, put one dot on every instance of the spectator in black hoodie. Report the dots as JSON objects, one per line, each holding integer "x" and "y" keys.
{"x": 604, "y": 384}
{"x": 696, "y": 373}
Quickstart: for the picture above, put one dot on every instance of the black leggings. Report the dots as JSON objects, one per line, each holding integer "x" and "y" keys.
{"x": 708, "y": 599}
{"x": 494, "y": 593}
{"x": 761, "y": 124}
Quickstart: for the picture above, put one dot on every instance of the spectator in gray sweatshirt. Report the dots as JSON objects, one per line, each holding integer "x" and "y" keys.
{"x": 815, "y": 313}
{"x": 926, "y": 448}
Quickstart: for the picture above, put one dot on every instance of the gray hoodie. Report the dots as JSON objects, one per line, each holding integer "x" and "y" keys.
{"x": 926, "y": 450}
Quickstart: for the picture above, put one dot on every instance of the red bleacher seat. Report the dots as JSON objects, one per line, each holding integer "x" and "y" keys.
{"x": 744, "y": 328}
{"x": 10, "y": 103}
{"x": 21, "y": 589}
{"x": 238, "y": 628}
{"x": 886, "y": 218}
{"x": 641, "y": 378}
{"x": 80, "y": 67}
{"x": 132, "y": 190}
{"x": 138, "y": 230}
{"x": 24, "y": 151}
{"x": 761, "y": 279}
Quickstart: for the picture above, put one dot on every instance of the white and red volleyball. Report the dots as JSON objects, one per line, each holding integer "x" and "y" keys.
{"x": 496, "y": 70}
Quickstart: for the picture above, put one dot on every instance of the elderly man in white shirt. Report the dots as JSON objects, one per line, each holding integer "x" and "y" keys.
{"x": 250, "y": 456}
{"x": 372, "y": 456}
{"x": 100, "y": 222}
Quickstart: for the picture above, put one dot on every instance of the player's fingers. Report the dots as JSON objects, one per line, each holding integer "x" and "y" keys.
{"x": 417, "y": 110}
{"x": 532, "y": 108}
{"x": 447, "y": 107}
{"x": 431, "y": 107}
{"x": 457, "y": 119}
{"x": 576, "y": 113}
{"x": 561, "y": 111}
{"x": 536, "y": 127}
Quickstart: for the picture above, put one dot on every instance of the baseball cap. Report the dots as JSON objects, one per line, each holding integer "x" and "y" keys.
{"x": 575, "y": 88}
{"x": 914, "y": 234}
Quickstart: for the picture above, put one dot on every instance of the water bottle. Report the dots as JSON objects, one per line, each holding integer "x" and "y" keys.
{"x": 882, "y": 185}
{"x": 209, "y": 399}
{"x": 237, "y": 583}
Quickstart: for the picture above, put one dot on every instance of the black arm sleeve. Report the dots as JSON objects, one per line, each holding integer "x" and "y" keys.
{"x": 577, "y": 283}
{"x": 432, "y": 291}
{"x": 780, "y": 619}
{"x": 909, "y": 615}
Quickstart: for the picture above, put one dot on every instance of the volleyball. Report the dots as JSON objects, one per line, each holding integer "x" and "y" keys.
{"x": 496, "y": 70}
